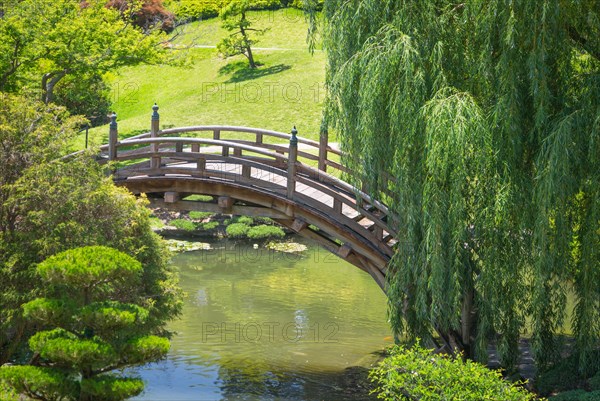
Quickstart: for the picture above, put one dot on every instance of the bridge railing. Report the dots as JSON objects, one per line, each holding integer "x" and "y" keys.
{"x": 299, "y": 161}
{"x": 310, "y": 152}
{"x": 252, "y": 166}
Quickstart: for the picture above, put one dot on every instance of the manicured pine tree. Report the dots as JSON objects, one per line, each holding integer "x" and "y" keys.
{"x": 240, "y": 40}
{"x": 91, "y": 322}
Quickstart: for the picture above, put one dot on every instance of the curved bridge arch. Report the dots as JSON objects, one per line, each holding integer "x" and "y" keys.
{"x": 252, "y": 174}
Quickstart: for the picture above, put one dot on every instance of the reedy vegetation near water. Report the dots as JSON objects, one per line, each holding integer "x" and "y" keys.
{"x": 487, "y": 113}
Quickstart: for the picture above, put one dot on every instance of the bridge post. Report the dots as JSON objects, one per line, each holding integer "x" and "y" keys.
{"x": 154, "y": 129}
{"x": 323, "y": 143}
{"x": 113, "y": 137}
{"x": 292, "y": 159}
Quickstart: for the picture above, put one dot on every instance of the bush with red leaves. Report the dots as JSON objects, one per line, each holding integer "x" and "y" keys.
{"x": 152, "y": 14}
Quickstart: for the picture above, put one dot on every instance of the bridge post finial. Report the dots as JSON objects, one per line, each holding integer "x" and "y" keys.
{"x": 113, "y": 120}
{"x": 113, "y": 136}
{"x": 155, "y": 124}
{"x": 294, "y": 138}
{"x": 155, "y": 115}
{"x": 292, "y": 159}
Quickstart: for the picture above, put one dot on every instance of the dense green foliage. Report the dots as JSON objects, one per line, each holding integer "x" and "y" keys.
{"x": 7, "y": 394}
{"x": 44, "y": 42}
{"x": 240, "y": 219}
{"x": 564, "y": 376}
{"x": 94, "y": 320}
{"x": 49, "y": 206}
{"x": 243, "y": 227}
{"x": 478, "y": 123}
{"x": 264, "y": 231}
{"x": 419, "y": 374}
{"x": 194, "y": 9}
{"x": 594, "y": 382}
{"x": 209, "y": 225}
{"x": 237, "y": 230}
{"x": 195, "y": 215}
{"x": 201, "y": 9}
{"x": 87, "y": 95}
{"x": 183, "y": 224}
{"x": 577, "y": 395}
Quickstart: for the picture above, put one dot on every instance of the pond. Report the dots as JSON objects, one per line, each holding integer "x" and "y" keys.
{"x": 265, "y": 325}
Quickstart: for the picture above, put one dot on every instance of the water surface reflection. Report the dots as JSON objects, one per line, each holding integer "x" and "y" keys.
{"x": 262, "y": 325}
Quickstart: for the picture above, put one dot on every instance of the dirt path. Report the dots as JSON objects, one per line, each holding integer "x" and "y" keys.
{"x": 285, "y": 49}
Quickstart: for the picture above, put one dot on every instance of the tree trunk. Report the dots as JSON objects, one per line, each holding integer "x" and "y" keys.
{"x": 247, "y": 42}
{"x": 467, "y": 320}
{"x": 49, "y": 81}
{"x": 14, "y": 64}
{"x": 250, "y": 57}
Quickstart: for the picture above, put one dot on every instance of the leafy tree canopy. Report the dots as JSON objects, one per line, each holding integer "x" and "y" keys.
{"x": 41, "y": 42}
{"x": 419, "y": 374}
{"x": 49, "y": 206}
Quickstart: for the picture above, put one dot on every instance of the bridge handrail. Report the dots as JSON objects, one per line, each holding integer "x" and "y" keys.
{"x": 235, "y": 128}
{"x": 200, "y": 141}
{"x": 259, "y": 132}
{"x": 347, "y": 187}
{"x": 323, "y": 148}
{"x": 311, "y": 171}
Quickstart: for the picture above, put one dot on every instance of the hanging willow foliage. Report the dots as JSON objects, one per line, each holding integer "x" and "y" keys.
{"x": 486, "y": 114}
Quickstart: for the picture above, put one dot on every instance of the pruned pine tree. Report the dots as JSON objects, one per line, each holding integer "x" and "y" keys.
{"x": 240, "y": 40}
{"x": 479, "y": 123}
{"x": 92, "y": 321}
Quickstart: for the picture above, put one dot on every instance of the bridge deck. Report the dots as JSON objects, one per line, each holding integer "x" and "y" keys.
{"x": 274, "y": 182}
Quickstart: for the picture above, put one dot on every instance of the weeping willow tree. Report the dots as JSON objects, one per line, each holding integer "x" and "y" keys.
{"x": 479, "y": 123}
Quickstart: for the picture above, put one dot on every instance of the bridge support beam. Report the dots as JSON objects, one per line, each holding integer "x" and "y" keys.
{"x": 171, "y": 197}
{"x": 344, "y": 251}
{"x": 225, "y": 203}
{"x": 299, "y": 225}
{"x": 374, "y": 272}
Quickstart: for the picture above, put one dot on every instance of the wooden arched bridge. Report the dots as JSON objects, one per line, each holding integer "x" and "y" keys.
{"x": 250, "y": 172}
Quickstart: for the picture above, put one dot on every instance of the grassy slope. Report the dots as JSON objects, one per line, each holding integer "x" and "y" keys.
{"x": 287, "y": 90}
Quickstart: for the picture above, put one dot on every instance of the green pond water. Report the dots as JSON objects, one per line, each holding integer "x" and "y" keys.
{"x": 264, "y": 325}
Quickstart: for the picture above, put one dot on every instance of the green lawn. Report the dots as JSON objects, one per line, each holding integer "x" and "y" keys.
{"x": 287, "y": 29}
{"x": 287, "y": 90}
